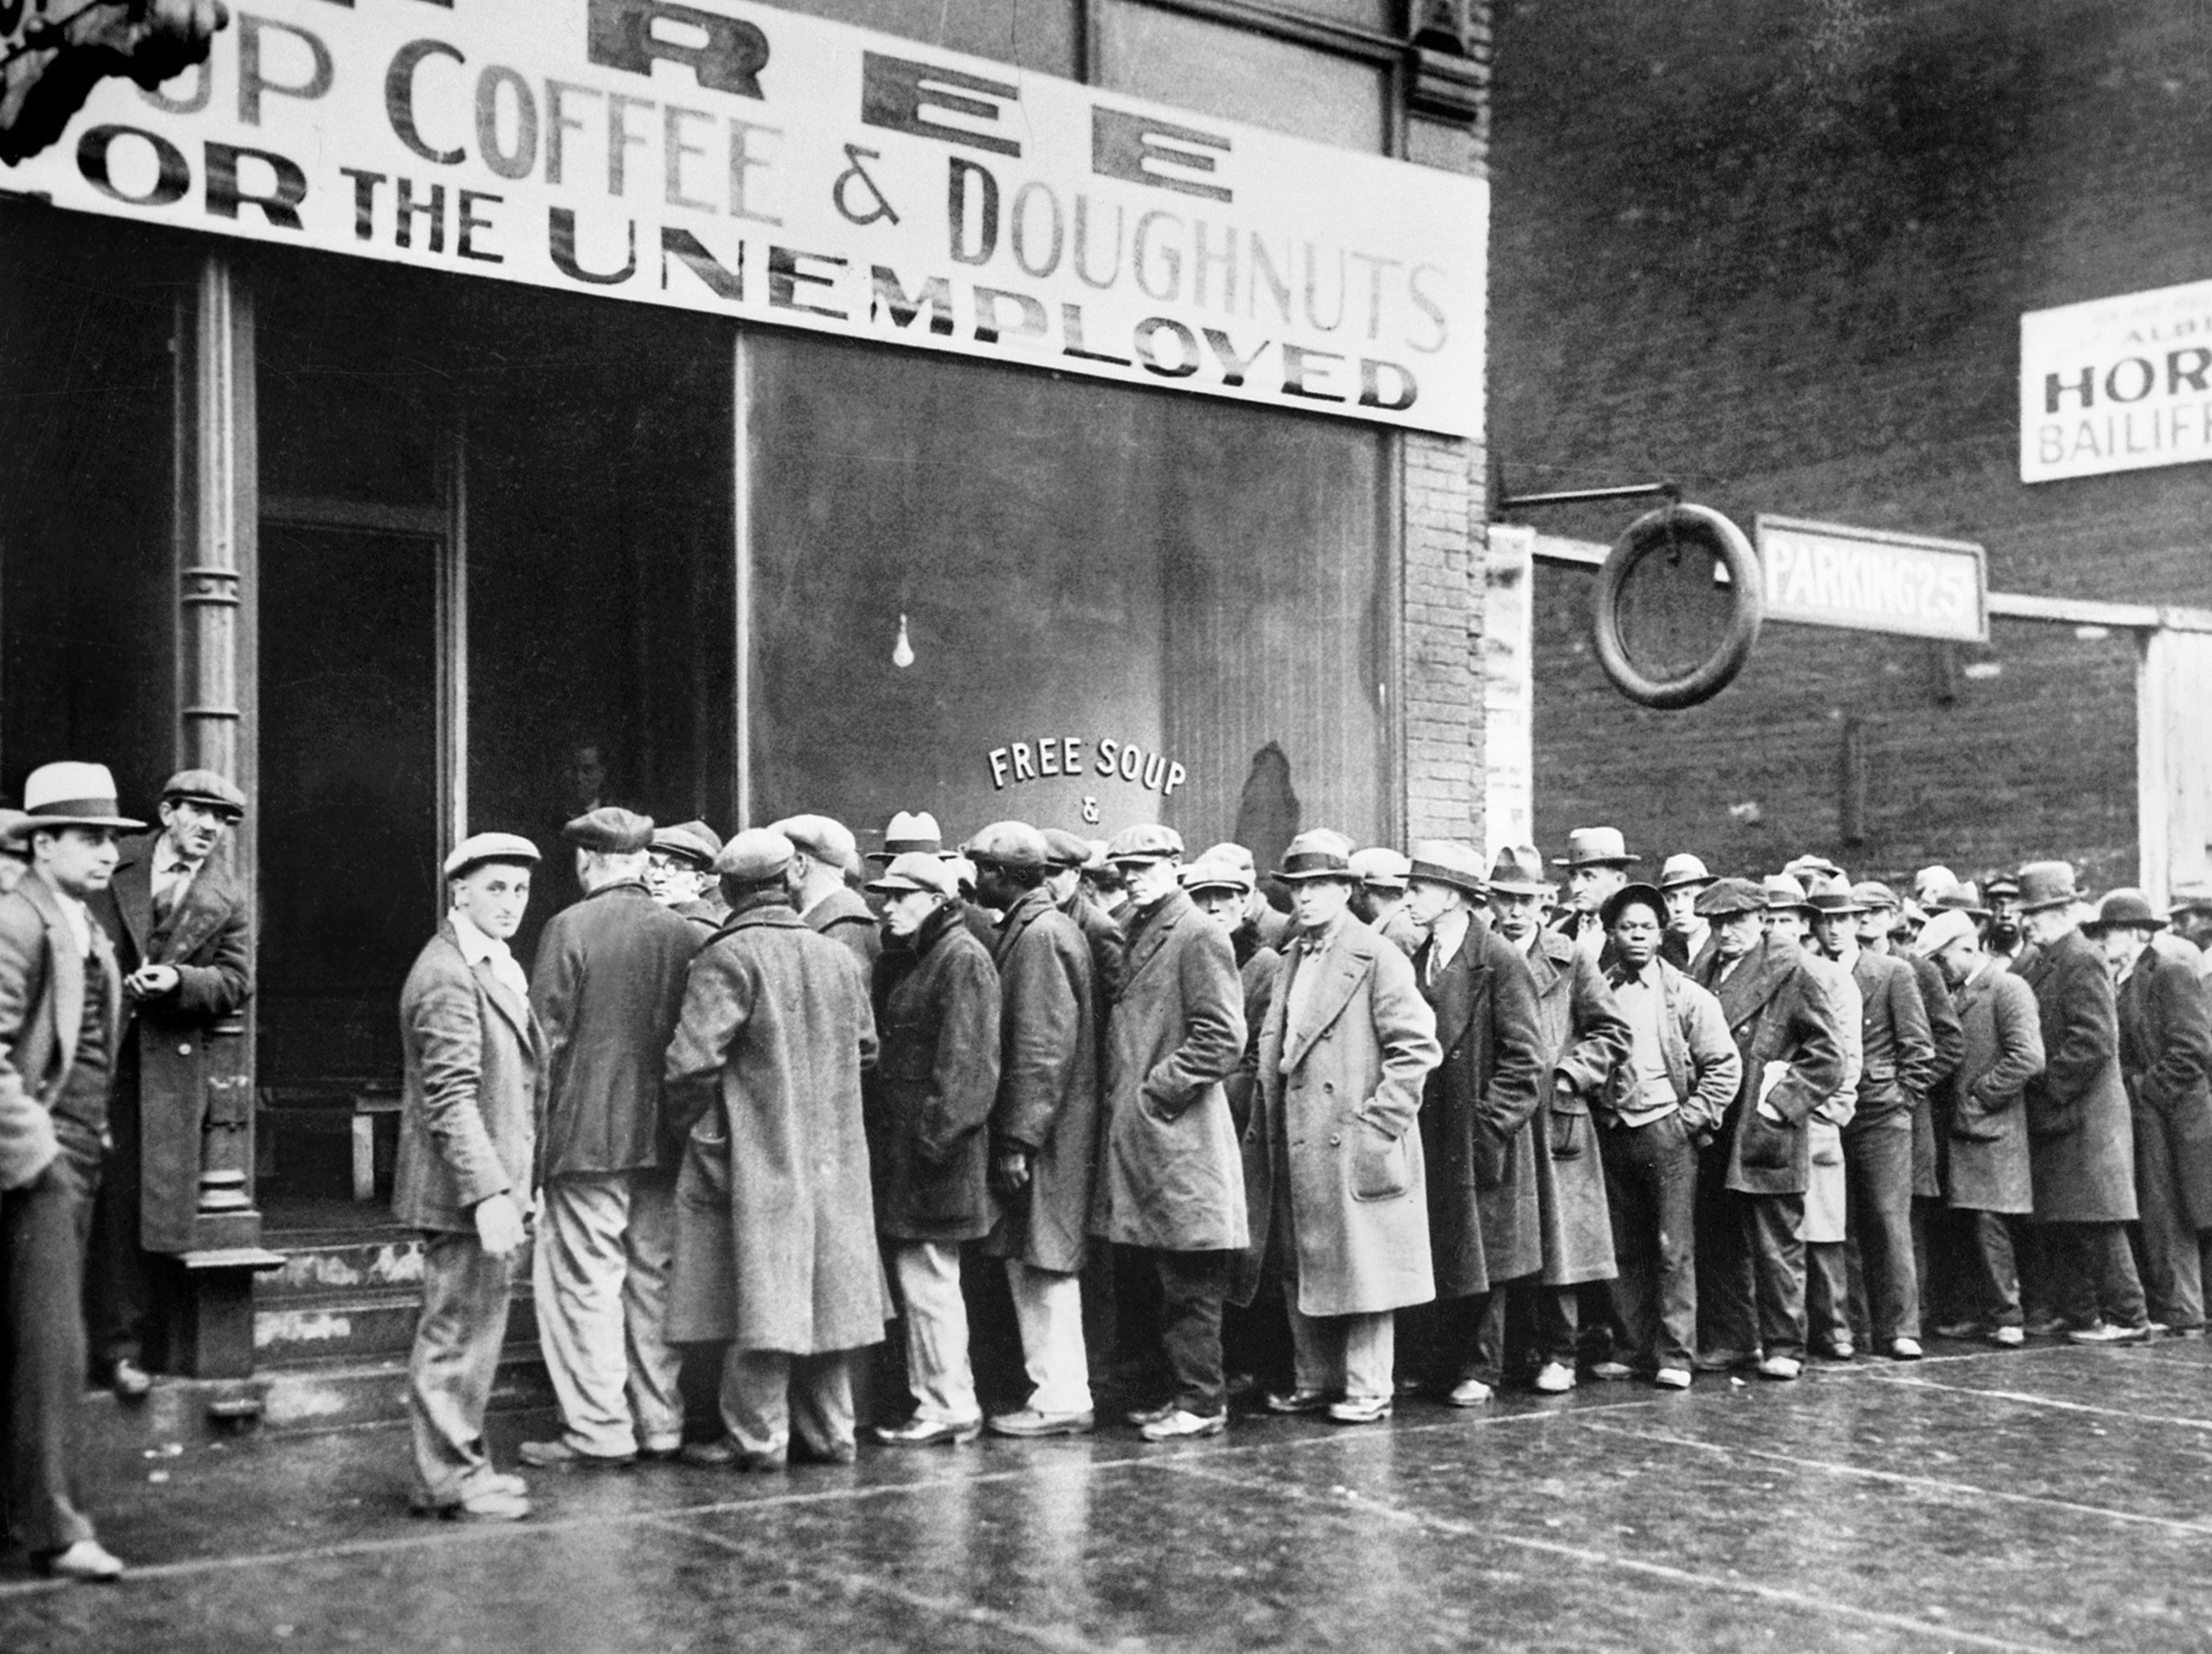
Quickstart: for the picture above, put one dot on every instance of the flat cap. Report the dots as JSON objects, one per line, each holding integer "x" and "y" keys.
{"x": 1066, "y": 850}
{"x": 755, "y": 856}
{"x": 691, "y": 841}
{"x": 2188, "y": 898}
{"x": 1681, "y": 871}
{"x": 1380, "y": 866}
{"x": 917, "y": 871}
{"x": 1208, "y": 874}
{"x": 204, "y": 787}
{"x": 820, "y": 837}
{"x": 1725, "y": 898}
{"x": 485, "y": 848}
{"x": 1448, "y": 862}
{"x": 1942, "y": 929}
{"x": 1149, "y": 842}
{"x": 1014, "y": 844}
{"x": 611, "y": 830}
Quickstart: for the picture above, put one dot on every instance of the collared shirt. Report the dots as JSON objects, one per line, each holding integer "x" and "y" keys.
{"x": 1446, "y": 937}
{"x": 1642, "y": 1002}
{"x": 77, "y": 918}
{"x": 476, "y": 947}
{"x": 173, "y": 875}
{"x": 1306, "y": 982}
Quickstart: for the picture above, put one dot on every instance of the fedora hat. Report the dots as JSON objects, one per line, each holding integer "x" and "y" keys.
{"x": 1381, "y": 869}
{"x": 2188, "y": 898}
{"x": 1318, "y": 855}
{"x": 2046, "y": 885}
{"x": 1681, "y": 872}
{"x": 1780, "y": 893}
{"x": 1811, "y": 866}
{"x": 1962, "y": 898}
{"x": 1648, "y": 895}
{"x": 1519, "y": 871}
{"x": 1832, "y": 896}
{"x": 82, "y": 795}
{"x": 909, "y": 832}
{"x": 1446, "y": 862}
{"x": 1595, "y": 847}
{"x": 2126, "y": 907}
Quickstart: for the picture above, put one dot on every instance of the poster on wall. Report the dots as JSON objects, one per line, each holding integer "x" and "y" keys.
{"x": 2121, "y": 384}
{"x": 741, "y": 161}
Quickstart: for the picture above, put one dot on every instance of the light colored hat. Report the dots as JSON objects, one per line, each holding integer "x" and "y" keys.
{"x": 828, "y": 842}
{"x": 13, "y": 825}
{"x": 1872, "y": 894}
{"x": 1208, "y": 874}
{"x": 1147, "y": 843}
{"x": 2188, "y": 898}
{"x": 1961, "y": 898}
{"x": 1236, "y": 855}
{"x": 74, "y": 795}
{"x": 909, "y": 832}
{"x": 485, "y": 848}
{"x": 1683, "y": 870}
{"x": 691, "y": 841}
{"x": 206, "y": 786}
{"x": 1318, "y": 854}
{"x": 2046, "y": 885}
{"x": 1013, "y": 843}
{"x": 1519, "y": 871}
{"x": 1833, "y": 896}
{"x": 755, "y": 856}
{"x": 1780, "y": 893}
{"x": 1810, "y": 867}
{"x": 1943, "y": 928}
{"x": 1382, "y": 868}
{"x": 1929, "y": 881}
{"x": 917, "y": 871}
{"x": 1448, "y": 862}
{"x": 1595, "y": 847}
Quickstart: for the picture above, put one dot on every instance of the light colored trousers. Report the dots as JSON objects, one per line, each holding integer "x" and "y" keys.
{"x": 455, "y": 1362}
{"x": 766, "y": 1392}
{"x": 1354, "y": 1354}
{"x": 936, "y": 1331}
{"x": 1049, "y": 1308}
{"x": 601, "y": 1285}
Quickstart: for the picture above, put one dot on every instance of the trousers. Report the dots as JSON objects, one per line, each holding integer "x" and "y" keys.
{"x": 1048, "y": 1308}
{"x": 935, "y": 1315}
{"x": 1752, "y": 1251}
{"x": 454, "y": 1361}
{"x": 601, "y": 1286}
{"x": 2092, "y": 1275}
{"x": 1988, "y": 1275}
{"x": 1351, "y": 1354}
{"x": 1192, "y": 1287}
{"x": 1878, "y": 1206}
{"x": 2174, "y": 1253}
{"x": 43, "y": 1232}
{"x": 1828, "y": 1295}
{"x": 1652, "y": 1187}
{"x": 764, "y": 1393}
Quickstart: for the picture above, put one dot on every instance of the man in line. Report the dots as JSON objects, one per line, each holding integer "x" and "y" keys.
{"x": 1267, "y": 925}
{"x": 1333, "y": 1165}
{"x": 681, "y": 873}
{"x": 61, "y": 1024}
{"x": 2166, "y": 1061}
{"x": 776, "y": 1235}
{"x": 1477, "y": 1118}
{"x": 2191, "y": 909}
{"x": 822, "y": 849}
{"x": 1597, "y": 863}
{"x": 607, "y": 989}
{"x": 1785, "y": 1023}
{"x": 937, "y": 1003}
{"x": 1825, "y": 1228}
{"x": 1172, "y": 1182}
{"x": 472, "y": 1100}
{"x": 1682, "y": 881}
{"x": 1669, "y": 1091}
{"x": 1043, "y": 1126}
{"x": 1380, "y": 903}
{"x": 1063, "y": 882}
{"x": 179, "y": 925}
{"x": 1987, "y": 1152}
{"x": 2080, "y": 1138}
{"x": 1583, "y": 1038}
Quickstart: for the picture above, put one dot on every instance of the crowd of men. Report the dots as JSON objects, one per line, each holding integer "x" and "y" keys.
{"x": 1442, "y": 1126}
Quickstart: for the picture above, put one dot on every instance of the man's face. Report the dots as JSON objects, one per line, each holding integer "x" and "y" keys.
{"x": 1061, "y": 883}
{"x": 1318, "y": 902}
{"x": 1873, "y": 928}
{"x": 1149, "y": 880}
{"x": 1682, "y": 908}
{"x": 1736, "y": 935}
{"x": 1588, "y": 886}
{"x": 1225, "y": 906}
{"x": 906, "y": 910}
{"x": 1635, "y": 935}
{"x": 1786, "y": 923}
{"x": 2042, "y": 926}
{"x": 76, "y": 860}
{"x": 1958, "y": 962}
{"x": 587, "y": 771}
{"x": 1837, "y": 934}
{"x": 2121, "y": 944}
{"x": 1426, "y": 902}
{"x": 193, "y": 829}
{"x": 1517, "y": 914}
{"x": 993, "y": 889}
{"x": 1383, "y": 901}
{"x": 494, "y": 895}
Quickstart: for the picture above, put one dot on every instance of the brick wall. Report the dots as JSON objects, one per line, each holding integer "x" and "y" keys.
{"x": 1779, "y": 253}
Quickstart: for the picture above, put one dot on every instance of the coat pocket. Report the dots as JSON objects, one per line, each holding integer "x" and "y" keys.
{"x": 945, "y": 1191}
{"x": 1489, "y": 1156}
{"x": 1970, "y": 1125}
{"x": 1382, "y": 1169}
{"x": 1570, "y": 1129}
{"x": 1765, "y": 1146}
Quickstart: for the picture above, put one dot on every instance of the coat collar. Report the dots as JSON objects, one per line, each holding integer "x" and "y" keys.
{"x": 1034, "y": 905}
{"x": 516, "y": 1011}
{"x": 1549, "y": 959}
{"x": 1461, "y": 985}
{"x": 1151, "y": 932}
{"x": 1756, "y": 980}
{"x": 1346, "y": 961}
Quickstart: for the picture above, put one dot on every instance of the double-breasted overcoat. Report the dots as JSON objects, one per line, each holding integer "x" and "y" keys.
{"x": 2080, "y": 1140}
{"x": 936, "y": 1002}
{"x": 1986, "y": 1165}
{"x": 1048, "y": 1102}
{"x": 1788, "y": 1031}
{"x": 1585, "y": 1036}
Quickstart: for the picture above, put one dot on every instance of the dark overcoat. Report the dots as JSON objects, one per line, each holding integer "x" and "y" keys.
{"x": 1783, "y": 1017}
{"x": 41, "y": 1019}
{"x": 163, "y": 1067}
{"x": 2080, "y": 1138}
{"x": 1331, "y": 1150}
{"x": 472, "y": 1091}
{"x": 607, "y": 989}
{"x": 1932, "y": 1110}
{"x": 1173, "y": 1176}
{"x": 1897, "y": 1055}
{"x": 776, "y": 1231}
{"x": 842, "y": 916}
{"x": 2166, "y": 1060}
{"x": 1479, "y": 1111}
{"x": 1261, "y": 971}
{"x": 1107, "y": 945}
{"x": 1583, "y": 1037}
{"x": 936, "y": 1003}
{"x": 1048, "y": 1102}
{"x": 2001, "y": 1051}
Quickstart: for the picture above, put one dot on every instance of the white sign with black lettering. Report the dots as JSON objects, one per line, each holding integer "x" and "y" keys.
{"x": 2120, "y": 383}
{"x": 1868, "y": 579}
{"x": 733, "y": 159}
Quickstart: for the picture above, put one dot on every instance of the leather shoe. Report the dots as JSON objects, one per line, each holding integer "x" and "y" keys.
{"x": 1672, "y": 1377}
{"x": 930, "y": 1433}
{"x": 1782, "y": 1368}
{"x": 561, "y": 1455}
{"x": 129, "y": 1380}
{"x": 1555, "y": 1378}
{"x": 1029, "y": 1423}
{"x": 1297, "y": 1401}
{"x": 725, "y": 1454}
{"x": 479, "y": 1505}
{"x": 1469, "y": 1393}
{"x": 1178, "y": 1424}
{"x": 2047, "y": 1326}
{"x": 1140, "y": 1417}
{"x": 1904, "y": 1349}
{"x": 1368, "y": 1410}
{"x": 88, "y": 1559}
{"x": 2107, "y": 1333}
{"x": 1723, "y": 1361}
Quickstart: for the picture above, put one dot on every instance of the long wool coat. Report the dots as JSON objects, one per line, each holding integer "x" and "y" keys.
{"x": 1827, "y": 1193}
{"x": 1172, "y": 1177}
{"x": 1477, "y": 1114}
{"x": 1048, "y": 1102}
{"x": 166, "y": 1062}
{"x": 472, "y": 1091}
{"x": 1780, "y": 1014}
{"x": 842, "y": 916}
{"x": 1583, "y": 1037}
{"x": 1932, "y": 1112}
{"x": 776, "y": 1232}
{"x": 936, "y": 1003}
{"x": 608, "y": 988}
{"x": 2080, "y": 1140}
{"x": 2166, "y": 1059}
{"x": 1331, "y": 1151}
{"x": 1988, "y": 1167}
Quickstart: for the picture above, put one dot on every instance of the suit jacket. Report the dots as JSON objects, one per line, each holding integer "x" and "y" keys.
{"x": 41, "y": 1017}
{"x": 1584, "y": 1038}
{"x": 1896, "y": 1050}
{"x": 2166, "y": 1060}
{"x": 1048, "y": 1102}
{"x": 176, "y": 1045}
{"x": 2080, "y": 1140}
{"x": 2001, "y": 1051}
{"x": 472, "y": 1090}
{"x": 1780, "y": 1014}
{"x": 1702, "y": 1062}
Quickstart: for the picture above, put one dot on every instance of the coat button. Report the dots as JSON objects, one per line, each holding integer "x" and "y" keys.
{"x": 1335, "y": 1139}
{"x": 185, "y": 1050}
{"x": 1328, "y": 1085}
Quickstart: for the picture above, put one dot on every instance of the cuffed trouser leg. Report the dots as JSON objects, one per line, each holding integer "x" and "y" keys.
{"x": 1991, "y": 1276}
{"x": 1352, "y": 1355}
{"x": 649, "y": 1253}
{"x": 1777, "y": 1258}
{"x": 1192, "y": 1286}
{"x": 577, "y": 1283}
{"x": 43, "y": 1232}
{"x": 936, "y": 1332}
{"x": 454, "y": 1361}
{"x": 2172, "y": 1274}
{"x": 1048, "y": 1307}
{"x": 766, "y": 1392}
{"x": 1878, "y": 1195}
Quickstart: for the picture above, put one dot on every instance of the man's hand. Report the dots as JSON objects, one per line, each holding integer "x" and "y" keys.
{"x": 1771, "y": 1115}
{"x": 152, "y": 981}
{"x": 1010, "y": 1168}
{"x": 499, "y": 1226}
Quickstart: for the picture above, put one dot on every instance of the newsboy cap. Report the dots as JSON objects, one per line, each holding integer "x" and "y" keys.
{"x": 1683, "y": 870}
{"x": 917, "y": 871}
{"x": 1013, "y": 843}
{"x": 204, "y": 787}
{"x": 83, "y": 795}
{"x": 1725, "y": 898}
{"x": 474, "y": 851}
{"x": 1872, "y": 894}
{"x": 1599, "y": 846}
{"x": 610, "y": 831}
{"x": 1149, "y": 842}
{"x": 693, "y": 841}
{"x": 755, "y": 856}
{"x": 826, "y": 840}
{"x": 2124, "y": 908}
{"x": 1066, "y": 850}
{"x": 1944, "y": 929}
{"x": 1448, "y": 862}
{"x": 1208, "y": 874}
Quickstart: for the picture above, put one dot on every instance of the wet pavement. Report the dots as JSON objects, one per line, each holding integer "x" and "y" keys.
{"x": 2051, "y": 1498}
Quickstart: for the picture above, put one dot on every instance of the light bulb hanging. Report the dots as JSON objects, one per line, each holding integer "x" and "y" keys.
{"x": 902, "y": 652}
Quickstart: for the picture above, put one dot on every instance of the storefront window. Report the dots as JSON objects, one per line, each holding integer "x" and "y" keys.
{"x": 1219, "y": 69}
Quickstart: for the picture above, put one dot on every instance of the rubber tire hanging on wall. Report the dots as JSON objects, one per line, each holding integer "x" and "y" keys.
{"x": 1672, "y": 529}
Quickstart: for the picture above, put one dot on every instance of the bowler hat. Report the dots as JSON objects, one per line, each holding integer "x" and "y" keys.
{"x": 755, "y": 856}
{"x": 693, "y": 841}
{"x": 1381, "y": 869}
{"x": 1208, "y": 874}
{"x": 1064, "y": 850}
{"x": 1318, "y": 854}
{"x": 1725, "y": 898}
{"x": 1832, "y": 896}
{"x": 1519, "y": 871}
{"x": 1648, "y": 895}
{"x": 482, "y": 848}
{"x": 611, "y": 830}
{"x": 2126, "y": 907}
{"x": 909, "y": 832}
{"x": 1147, "y": 843}
{"x": 1599, "y": 846}
{"x": 827, "y": 840}
{"x": 1446, "y": 862}
{"x": 1681, "y": 872}
{"x": 1011, "y": 844}
{"x": 1782, "y": 893}
{"x": 917, "y": 871}
{"x": 83, "y": 795}
{"x": 2046, "y": 885}
{"x": 1942, "y": 929}
{"x": 2188, "y": 898}
{"x": 204, "y": 786}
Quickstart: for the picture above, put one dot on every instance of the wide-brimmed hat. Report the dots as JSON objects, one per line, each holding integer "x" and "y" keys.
{"x": 2188, "y": 898}
{"x": 693, "y": 842}
{"x": 480, "y": 848}
{"x": 1319, "y": 853}
{"x": 917, "y": 871}
{"x": 1811, "y": 866}
{"x": 2125, "y": 907}
{"x": 1833, "y": 896}
{"x": 2046, "y": 885}
{"x": 1382, "y": 868}
{"x": 909, "y": 832}
{"x": 1942, "y": 929}
{"x": 1519, "y": 871}
{"x": 1780, "y": 893}
{"x": 1872, "y": 894}
{"x": 83, "y": 795}
{"x": 1651, "y": 896}
{"x": 1961, "y": 898}
{"x": 1447, "y": 862}
{"x": 1599, "y": 846}
{"x": 1725, "y": 898}
{"x": 207, "y": 789}
{"x": 1683, "y": 870}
